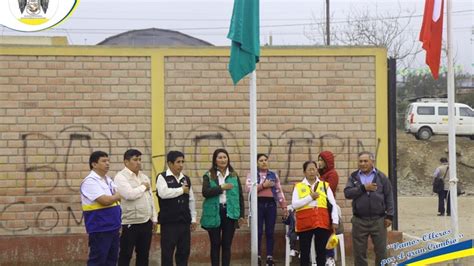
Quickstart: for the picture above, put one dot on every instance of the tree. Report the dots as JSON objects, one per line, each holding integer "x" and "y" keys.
{"x": 387, "y": 29}
{"x": 422, "y": 85}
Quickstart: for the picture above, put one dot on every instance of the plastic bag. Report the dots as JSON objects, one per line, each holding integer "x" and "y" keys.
{"x": 332, "y": 241}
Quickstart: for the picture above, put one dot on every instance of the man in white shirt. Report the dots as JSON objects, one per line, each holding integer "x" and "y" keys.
{"x": 177, "y": 215}
{"x": 139, "y": 217}
{"x": 101, "y": 210}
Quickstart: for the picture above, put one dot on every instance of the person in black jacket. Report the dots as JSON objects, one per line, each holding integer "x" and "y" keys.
{"x": 372, "y": 206}
{"x": 177, "y": 215}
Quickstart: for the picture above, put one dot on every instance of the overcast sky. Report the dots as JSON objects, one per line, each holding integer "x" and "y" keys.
{"x": 288, "y": 22}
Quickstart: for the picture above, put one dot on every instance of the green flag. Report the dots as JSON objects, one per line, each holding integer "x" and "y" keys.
{"x": 244, "y": 32}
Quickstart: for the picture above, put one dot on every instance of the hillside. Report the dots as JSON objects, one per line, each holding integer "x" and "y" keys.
{"x": 417, "y": 160}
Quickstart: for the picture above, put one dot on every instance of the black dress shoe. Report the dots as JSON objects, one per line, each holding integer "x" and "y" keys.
{"x": 441, "y": 214}
{"x": 449, "y": 214}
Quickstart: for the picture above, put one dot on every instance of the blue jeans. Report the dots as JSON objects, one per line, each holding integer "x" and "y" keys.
{"x": 266, "y": 214}
{"x": 103, "y": 248}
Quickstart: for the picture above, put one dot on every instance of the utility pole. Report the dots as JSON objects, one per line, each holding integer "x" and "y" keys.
{"x": 328, "y": 42}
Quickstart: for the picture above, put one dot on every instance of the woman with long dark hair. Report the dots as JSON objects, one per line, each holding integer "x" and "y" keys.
{"x": 269, "y": 195}
{"x": 223, "y": 206}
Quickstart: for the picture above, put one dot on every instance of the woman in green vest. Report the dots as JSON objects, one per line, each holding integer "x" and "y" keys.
{"x": 223, "y": 206}
{"x": 312, "y": 199}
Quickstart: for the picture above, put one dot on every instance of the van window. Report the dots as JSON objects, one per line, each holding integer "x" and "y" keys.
{"x": 426, "y": 110}
{"x": 442, "y": 110}
{"x": 464, "y": 111}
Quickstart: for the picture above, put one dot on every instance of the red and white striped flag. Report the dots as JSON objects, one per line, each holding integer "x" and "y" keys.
{"x": 432, "y": 33}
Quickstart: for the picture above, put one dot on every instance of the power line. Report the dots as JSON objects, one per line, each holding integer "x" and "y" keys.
{"x": 70, "y": 32}
{"x": 226, "y": 20}
{"x": 278, "y": 25}
{"x": 118, "y": 30}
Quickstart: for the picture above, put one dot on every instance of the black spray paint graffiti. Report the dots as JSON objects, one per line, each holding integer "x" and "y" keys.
{"x": 77, "y": 137}
{"x": 81, "y": 140}
{"x": 56, "y": 171}
{"x": 46, "y": 219}
{"x": 296, "y": 141}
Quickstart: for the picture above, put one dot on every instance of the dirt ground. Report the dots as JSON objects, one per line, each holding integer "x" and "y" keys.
{"x": 417, "y": 215}
{"x": 417, "y": 160}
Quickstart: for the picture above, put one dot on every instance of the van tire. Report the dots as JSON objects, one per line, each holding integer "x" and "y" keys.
{"x": 424, "y": 133}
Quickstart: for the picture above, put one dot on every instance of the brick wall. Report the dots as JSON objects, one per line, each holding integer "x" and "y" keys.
{"x": 305, "y": 105}
{"x": 58, "y": 108}
{"x": 55, "y": 111}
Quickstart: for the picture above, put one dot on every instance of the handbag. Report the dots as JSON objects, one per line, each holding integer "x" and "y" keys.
{"x": 438, "y": 182}
{"x": 438, "y": 185}
{"x": 328, "y": 204}
{"x": 340, "y": 227}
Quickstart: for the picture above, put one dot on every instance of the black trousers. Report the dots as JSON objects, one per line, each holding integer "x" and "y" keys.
{"x": 221, "y": 237}
{"x": 175, "y": 241}
{"x": 444, "y": 195}
{"x": 321, "y": 237}
{"x": 138, "y": 237}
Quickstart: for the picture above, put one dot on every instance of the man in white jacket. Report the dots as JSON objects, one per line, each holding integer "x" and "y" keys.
{"x": 177, "y": 215}
{"x": 139, "y": 216}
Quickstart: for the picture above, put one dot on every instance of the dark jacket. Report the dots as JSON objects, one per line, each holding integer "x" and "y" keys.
{"x": 329, "y": 173}
{"x": 174, "y": 210}
{"x": 370, "y": 204}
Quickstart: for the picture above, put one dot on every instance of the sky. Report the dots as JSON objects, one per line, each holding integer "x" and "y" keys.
{"x": 287, "y": 22}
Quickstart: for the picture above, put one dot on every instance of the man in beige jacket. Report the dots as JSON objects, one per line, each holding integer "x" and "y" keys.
{"x": 139, "y": 216}
{"x": 442, "y": 172}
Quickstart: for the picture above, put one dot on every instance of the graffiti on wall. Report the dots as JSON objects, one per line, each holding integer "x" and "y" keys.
{"x": 65, "y": 157}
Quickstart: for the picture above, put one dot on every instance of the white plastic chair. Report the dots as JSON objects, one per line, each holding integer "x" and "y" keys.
{"x": 343, "y": 250}
{"x": 341, "y": 241}
{"x": 313, "y": 250}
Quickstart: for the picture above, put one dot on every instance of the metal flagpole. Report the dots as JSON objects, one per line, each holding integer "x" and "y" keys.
{"x": 253, "y": 168}
{"x": 452, "y": 129}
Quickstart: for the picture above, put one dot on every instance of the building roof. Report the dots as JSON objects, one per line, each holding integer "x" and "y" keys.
{"x": 153, "y": 37}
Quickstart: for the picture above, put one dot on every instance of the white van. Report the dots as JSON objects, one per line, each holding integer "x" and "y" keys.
{"x": 428, "y": 117}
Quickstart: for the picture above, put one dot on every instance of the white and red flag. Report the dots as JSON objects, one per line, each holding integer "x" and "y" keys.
{"x": 432, "y": 33}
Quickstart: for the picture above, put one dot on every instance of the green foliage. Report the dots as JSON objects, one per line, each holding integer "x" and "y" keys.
{"x": 467, "y": 98}
{"x": 418, "y": 85}
{"x": 423, "y": 85}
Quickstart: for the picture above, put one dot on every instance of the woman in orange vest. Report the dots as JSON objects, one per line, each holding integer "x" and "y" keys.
{"x": 310, "y": 200}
